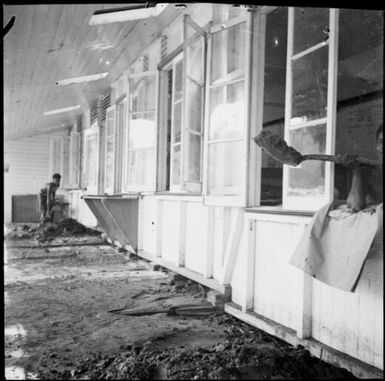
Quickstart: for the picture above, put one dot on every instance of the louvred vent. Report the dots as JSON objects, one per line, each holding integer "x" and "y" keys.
{"x": 104, "y": 104}
{"x": 163, "y": 46}
{"x": 145, "y": 62}
{"x": 94, "y": 111}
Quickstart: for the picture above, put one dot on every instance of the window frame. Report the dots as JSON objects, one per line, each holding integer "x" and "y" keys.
{"x": 199, "y": 33}
{"x": 135, "y": 188}
{"x": 308, "y": 202}
{"x": 240, "y": 200}
{"x": 53, "y": 155}
{"x": 93, "y": 130}
{"x": 179, "y": 58}
{"x": 110, "y": 110}
{"x": 74, "y": 159}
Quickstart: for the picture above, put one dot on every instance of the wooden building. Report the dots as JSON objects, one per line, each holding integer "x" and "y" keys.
{"x": 160, "y": 154}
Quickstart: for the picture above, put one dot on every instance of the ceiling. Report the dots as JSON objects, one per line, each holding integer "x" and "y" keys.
{"x": 49, "y": 42}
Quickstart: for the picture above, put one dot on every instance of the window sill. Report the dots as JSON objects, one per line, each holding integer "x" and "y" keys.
{"x": 166, "y": 193}
{"x": 278, "y": 210}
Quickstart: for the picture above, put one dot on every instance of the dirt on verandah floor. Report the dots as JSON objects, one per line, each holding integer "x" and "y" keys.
{"x": 58, "y": 294}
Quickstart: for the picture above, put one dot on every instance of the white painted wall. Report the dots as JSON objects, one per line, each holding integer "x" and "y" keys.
{"x": 349, "y": 322}
{"x": 28, "y": 161}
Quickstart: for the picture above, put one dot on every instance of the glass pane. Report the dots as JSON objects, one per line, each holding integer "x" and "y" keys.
{"x": 91, "y": 172}
{"x": 224, "y": 168}
{"x": 142, "y": 130}
{"x": 236, "y": 47}
{"x": 359, "y": 94}
{"x": 227, "y": 117}
{"x": 311, "y": 26}
{"x": 225, "y": 12}
{"x": 143, "y": 92}
{"x": 177, "y": 122}
{"x": 109, "y": 175}
{"x": 194, "y": 62}
{"x": 91, "y": 149}
{"x": 308, "y": 179}
{"x": 274, "y": 101}
{"x": 194, "y": 106}
{"x": 131, "y": 175}
{"x": 218, "y": 59}
{"x": 110, "y": 123}
{"x": 175, "y": 176}
{"x": 228, "y": 52}
{"x": 309, "y": 94}
{"x": 178, "y": 81}
{"x": 193, "y": 164}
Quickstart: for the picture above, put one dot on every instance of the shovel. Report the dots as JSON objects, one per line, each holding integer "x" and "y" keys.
{"x": 278, "y": 149}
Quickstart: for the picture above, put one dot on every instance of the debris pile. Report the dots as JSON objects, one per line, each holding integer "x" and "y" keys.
{"x": 248, "y": 353}
{"x": 65, "y": 228}
{"x": 47, "y": 231}
{"x": 21, "y": 231}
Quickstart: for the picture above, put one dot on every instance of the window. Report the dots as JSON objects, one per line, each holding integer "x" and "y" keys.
{"x": 74, "y": 159}
{"x": 140, "y": 134}
{"x": 334, "y": 98}
{"x": 194, "y": 88}
{"x": 109, "y": 164}
{"x": 91, "y": 158}
{"x": 359, "y": 88}
{"x": 181, "y": 117}
{"x": 274, "y": 101}
{"x": 176, "y": 123}
{"x": 309, "y": 113}
{"x": 226, "y": 135}
{"x": 56, "y": 156}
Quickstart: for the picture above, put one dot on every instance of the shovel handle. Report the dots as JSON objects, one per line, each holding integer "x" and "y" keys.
{"x": 336, "y": 158}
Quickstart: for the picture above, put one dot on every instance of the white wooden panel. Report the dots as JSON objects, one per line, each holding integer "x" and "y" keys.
{"x": 195, "y": 239}
{"x": 147, "y": 224}
{"x": 353, "y": 322}
{"x": 170, "y": 225}
{"x": 238, "y": 285}
{"x": 218, "y": 246}
{"x": 276, "y": 281}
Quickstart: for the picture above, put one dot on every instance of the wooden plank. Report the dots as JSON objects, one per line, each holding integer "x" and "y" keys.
{"x": 182, "y": 234}
{"x": 209, "y": 247}
{"x": 305, "y": 303}
{"x": 248, "y": 302}
{"x": 159, "y": 226}
{"x": 232, "y": 247}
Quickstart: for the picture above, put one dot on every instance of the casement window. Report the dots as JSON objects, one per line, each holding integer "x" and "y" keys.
{"x": 274, "y": 24}
{"x": 181, "y": 100}
{"x": 310, "y": 115}
{"x": 91, "y": 158}
{"x": 226, "y": 137}
{"x": 56, "y": 156}
{"x": 334, "y": 98}
{"x": 176, "y": 123}
{"x": 140, "y": 134}
{"x": 359, "y": 90}
{"x": 194, "y": 90}
{"x": 74, "y": 159}
{"x": 109, "y": 156}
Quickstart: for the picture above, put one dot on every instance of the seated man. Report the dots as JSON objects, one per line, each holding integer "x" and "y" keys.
{"x": 47, "y": 197}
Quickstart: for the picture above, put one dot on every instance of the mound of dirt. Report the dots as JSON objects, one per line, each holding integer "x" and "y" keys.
{"x": 47, "y": 231}
{"x": 247, "y": 354}
{"x": 65, "y": 228}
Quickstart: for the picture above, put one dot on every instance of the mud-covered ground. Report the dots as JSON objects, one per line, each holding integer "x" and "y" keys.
{"x": 65, "y": 300}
